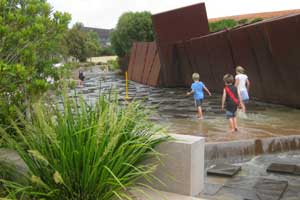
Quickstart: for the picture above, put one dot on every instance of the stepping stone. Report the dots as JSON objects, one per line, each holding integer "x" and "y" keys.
{"x": 224, "y": 170}
{"x": 253, "y": 188}
{"x": 282, "y": 168}
{"x": 269, "y": 189}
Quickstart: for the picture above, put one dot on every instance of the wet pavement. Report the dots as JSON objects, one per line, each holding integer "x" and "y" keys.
{"x": 254, "y": 182}
{"x": 177, "y": 112}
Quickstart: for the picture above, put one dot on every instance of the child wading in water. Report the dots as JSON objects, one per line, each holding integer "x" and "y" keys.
{"x": 197, "y": 89}
{"x": 232, "y": 99}
{"x": 242, "y": 83}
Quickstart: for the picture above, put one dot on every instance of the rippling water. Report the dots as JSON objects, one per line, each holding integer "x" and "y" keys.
{"x": 176, "y": 111}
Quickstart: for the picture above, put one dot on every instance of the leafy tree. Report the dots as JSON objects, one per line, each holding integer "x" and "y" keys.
{"x": 131, "y": 27}
{"x": 30, "y": 41}
{"x": 82, "y": 44}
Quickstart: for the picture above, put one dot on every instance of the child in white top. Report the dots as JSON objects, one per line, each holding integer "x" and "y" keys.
{"x": 242, "y": 83}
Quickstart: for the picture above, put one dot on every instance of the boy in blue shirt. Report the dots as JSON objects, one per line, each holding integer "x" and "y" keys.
{"x": 197, "y": 89}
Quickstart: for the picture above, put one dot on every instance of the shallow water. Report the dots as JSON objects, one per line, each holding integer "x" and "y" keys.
{"x": 178, "y": 113}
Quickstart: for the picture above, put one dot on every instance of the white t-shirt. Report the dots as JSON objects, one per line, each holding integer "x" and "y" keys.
{"x": 242, "y": 78}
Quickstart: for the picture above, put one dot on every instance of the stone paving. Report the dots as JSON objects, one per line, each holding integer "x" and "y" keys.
{"x": 253, "y": 182}
{"x": 176, "y": 111}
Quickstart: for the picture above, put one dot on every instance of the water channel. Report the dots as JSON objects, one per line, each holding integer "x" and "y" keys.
{"x": 177, "y": 112}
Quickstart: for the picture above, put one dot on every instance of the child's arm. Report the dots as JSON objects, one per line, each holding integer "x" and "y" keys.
{"x": 241, "y": 101}
{"x": 248, "y": 84}
{"x": 208, "y": 92}
{"x": 189, "y": 93}
{"x": 236, "y": 82}
{"x": 223, "y": 99}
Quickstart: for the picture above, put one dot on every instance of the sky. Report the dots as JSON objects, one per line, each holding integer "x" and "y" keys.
{"x": 105, "y": 13}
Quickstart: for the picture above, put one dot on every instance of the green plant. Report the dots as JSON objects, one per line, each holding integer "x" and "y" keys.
{"x": 131, "y": 27}
{"x": 256, "y": 20}
{"x": 243, "y": 21}
{"x": 113, "y": 65}
{"x": 83, "y": 152}
{"x": 221, "y": 25}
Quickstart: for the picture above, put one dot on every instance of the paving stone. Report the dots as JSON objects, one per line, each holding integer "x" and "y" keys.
{"x": 297, "y": 170}
{"x": 269, "y": 189}
{"x": 281, "y": 168}
{"x": 211, "y": 189}
{"x": 224, "y": 170}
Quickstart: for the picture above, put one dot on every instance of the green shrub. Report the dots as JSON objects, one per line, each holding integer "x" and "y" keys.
{"x": 221, "y": 25}
{"x": 243, "y": 21}
{"x": 83, "y": 152}
{"x": 256, "y": 20}
{"x": 113, "y": 65}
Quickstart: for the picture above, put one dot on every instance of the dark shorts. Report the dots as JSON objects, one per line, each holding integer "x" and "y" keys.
{"x": 230, "y": 114}
{"x": 198, "y": 102}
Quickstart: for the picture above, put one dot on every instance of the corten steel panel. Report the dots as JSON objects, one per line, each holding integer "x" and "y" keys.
{"x": 153, "y": 79}
{"x": 152, "y": 50}
{"x": 219, "y": 57}
{"x": 264, "y": 60}
{"x": 181, "y": 24}
{"x": 177, "y": 25}
{"x": 132, "y": 61}
{"x": 199, "y": 59}
{"x": 244, "y": 55}
{"x": 142, "y": 48}
{"x": 284, "y": 44}
{"x": 183, "y": 65}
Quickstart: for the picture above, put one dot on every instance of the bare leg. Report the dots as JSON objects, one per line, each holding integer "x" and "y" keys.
{"x": 231, "y": 124}
{"x": 235, "y": 124}
{"x": 200, "y": 116}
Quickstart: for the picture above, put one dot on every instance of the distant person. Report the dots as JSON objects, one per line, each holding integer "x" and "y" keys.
{"x": 242, "y": 83}
{"x": 81, "y": 78}
{"x": 231, "y": 100}
{"x": 197, "y": 89}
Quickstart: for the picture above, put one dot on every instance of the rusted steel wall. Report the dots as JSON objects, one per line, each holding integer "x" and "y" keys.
{"x": 269, "y": 51}
{"x": 173, "y": 26}
{"x": 144, "y": 64}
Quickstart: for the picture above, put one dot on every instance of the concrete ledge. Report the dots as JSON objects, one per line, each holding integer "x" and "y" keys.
{"x": 182, "y": 168}
{"x": 145, "y": 194}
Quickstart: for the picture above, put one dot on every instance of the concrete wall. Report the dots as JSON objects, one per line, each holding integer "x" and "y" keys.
{"x": 182, "y": 168}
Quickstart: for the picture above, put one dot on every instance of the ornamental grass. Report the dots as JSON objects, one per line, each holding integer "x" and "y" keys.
{"x": 83, "y": 152}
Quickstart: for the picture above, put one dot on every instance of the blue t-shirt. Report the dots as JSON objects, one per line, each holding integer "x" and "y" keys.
{"x": 197, "y": 87}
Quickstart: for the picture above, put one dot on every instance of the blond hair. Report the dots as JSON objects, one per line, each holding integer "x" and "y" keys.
{"x": 240, "y": 70}
{"x": 196, "y": 77}
{"x": 228, "y": 79}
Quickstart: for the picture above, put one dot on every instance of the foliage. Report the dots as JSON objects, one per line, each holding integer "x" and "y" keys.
{"x": 82, "y": 44}
{"x": 83, "y": 152}
{"x": 243, "y": 21}
{"x": 107, "y": 51}
{"x": 30, "y": 41}
{"x": 113, "y": 65}
{"x": 131, "y": 27}
{"x": 17, "y": 83}
{"x": 30, "y": 34}
{"x": 221, "y": 25}
{"x": 258, "y": 19}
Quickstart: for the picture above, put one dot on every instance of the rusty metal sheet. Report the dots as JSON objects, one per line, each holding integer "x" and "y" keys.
{"x": 199, "y": 59}
{"x": 268, "y": 71}
{"x": 245, "y": 56}
{"x": 284, "y": 45}
{"x": 152, "y": 51}
{"x": 132, "y": 61}
{"x": 177, "y": 25}
{"x": 153, "y": 79}
{"x": 219, "y": 57}
{"x": 180, "y": 24}
{"x": 142, "y": 48}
